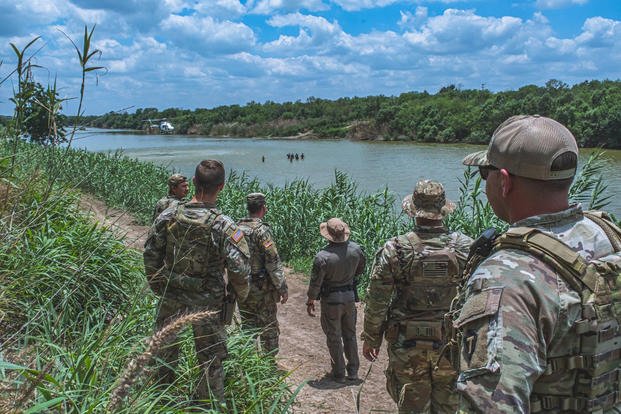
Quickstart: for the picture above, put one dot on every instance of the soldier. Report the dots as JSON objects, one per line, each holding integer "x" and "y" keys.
{"x": 267, "y": 279}
{"x": 531, "y": 339}
{"x": 335, "y": 270}
{"x": 185, "y": 255}
{"x": 177, "y": 189}
{"x": 413, "y": 281}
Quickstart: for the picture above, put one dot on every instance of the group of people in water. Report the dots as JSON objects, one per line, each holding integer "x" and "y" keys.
{"x": 291, "y": 156}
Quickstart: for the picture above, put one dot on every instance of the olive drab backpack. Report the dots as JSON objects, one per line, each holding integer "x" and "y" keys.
{"x": 430, "y": 273}
{"x": 597, "y": 364}
{"x": 251, "y": 233}
{"x": 190, "y": 249}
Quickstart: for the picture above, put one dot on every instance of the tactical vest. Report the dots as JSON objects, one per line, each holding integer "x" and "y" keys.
{"x": 427, "y": 282}
{"x": 595, "y": 367}
{"x": 190, "y": 248}
{"x": 250, "y": 229}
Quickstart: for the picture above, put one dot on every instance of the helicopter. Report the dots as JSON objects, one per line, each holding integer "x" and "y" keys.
{"x": 159, "y": 124}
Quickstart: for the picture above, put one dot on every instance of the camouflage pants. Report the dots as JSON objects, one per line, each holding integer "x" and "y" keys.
{"x": 210, "y": 343}
{"x": 338, "y": 322}
{"x": 258, "y": 313}
{"x": 415, "y": 386}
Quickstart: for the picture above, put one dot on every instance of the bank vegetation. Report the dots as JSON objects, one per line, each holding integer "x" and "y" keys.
{"x": 591, "y": 110}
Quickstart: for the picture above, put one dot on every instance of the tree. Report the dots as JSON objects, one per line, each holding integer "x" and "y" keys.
{"x": 42, "y": 122}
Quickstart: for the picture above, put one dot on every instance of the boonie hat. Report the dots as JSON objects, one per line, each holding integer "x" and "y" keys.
{"x": 176, "y": 179}
{"x": 427, "y": 201}
{"x": 334, "y": 230}
{"x": 255, "y": 198}
{"x": 526, "y": 146}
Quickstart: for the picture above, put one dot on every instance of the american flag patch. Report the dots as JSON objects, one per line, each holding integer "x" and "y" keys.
{"x": 237, "y": 236}
{"x": 268, "y": 244}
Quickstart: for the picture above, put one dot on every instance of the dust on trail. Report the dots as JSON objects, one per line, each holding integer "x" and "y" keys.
{"x": 303, "y": 349}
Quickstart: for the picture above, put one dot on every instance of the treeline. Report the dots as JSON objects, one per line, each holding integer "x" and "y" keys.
{"x": 592, "y": 110}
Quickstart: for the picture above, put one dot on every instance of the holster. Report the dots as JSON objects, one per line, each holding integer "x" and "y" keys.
{"x": 228, "y": 308}
{"x": 259, "y": 278}
{"x": 356, "y": 297}
{"x": 391, "y": 333}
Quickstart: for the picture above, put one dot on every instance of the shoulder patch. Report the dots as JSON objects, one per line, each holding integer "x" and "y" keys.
{"x": 267, "y": 244}
{"x": 237, "y": 236}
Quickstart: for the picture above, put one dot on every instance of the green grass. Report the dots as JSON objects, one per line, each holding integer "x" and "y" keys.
{"x": 75, "y": 309}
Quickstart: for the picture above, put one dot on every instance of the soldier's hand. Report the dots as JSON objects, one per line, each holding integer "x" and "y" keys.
{"x": 284, "y": 297}
{"x": 310, "y": 308}
{"x": 369, "y": 352}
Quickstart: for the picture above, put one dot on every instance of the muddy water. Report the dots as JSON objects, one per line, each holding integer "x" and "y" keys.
{"x": 373, "y": 165}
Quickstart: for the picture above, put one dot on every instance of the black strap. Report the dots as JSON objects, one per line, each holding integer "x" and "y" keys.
{"x": 344, "y": 288}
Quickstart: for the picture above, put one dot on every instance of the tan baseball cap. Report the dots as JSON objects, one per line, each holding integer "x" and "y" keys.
{"x": 334, "y": 230}
{"x": 427, "y": 201}
{"x": 526, "y": 146}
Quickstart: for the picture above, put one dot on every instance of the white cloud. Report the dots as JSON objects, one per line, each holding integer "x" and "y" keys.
{"x": 409, "y": 20}
{"x": 600, "y": 32}
{"x": 208, "y": 35}
{"x": 200, "y": 53}
{"x": 558, "y": 4}
{"x": 316, "y": 35}
{"x": 354, "y": 5}
{"x": 14, "y": 14}
{"x": 224, "y": 9}
{"x": 271, "y": 6}
{"x": 462, "y": 31}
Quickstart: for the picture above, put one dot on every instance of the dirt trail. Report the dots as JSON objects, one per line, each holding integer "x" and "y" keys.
{"x": 303, "y": 349}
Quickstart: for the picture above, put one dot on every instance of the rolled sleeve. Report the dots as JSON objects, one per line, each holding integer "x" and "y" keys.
{"x": 379, "y": 293}
{"x": 510, "y": 311}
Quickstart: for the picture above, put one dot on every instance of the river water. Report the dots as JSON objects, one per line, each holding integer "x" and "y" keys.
{"x": 372, "y": 165}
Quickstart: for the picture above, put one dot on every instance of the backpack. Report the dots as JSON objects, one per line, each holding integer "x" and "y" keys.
{"x": 598, "y": 281}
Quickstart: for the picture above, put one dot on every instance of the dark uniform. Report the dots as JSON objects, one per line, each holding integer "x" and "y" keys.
{"x": 334, "y": 271}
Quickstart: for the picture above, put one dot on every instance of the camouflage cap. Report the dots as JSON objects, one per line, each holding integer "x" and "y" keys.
{"x": 176, "y": 179}
{"x": 526, "y": 146}
{"x": 427, "y": 201}
{"x": 335, "y": 230}
{"x": 255, "y": 198}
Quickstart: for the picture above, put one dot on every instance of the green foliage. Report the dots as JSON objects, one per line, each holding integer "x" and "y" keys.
{"x": 42, "y": 121}
{"x": 75, "y": 299}
{"x": 74, "y": 307}
{"x": 591, "y": 110}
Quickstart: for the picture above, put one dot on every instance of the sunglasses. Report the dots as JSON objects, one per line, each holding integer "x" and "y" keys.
{"x": 484, "y": 171}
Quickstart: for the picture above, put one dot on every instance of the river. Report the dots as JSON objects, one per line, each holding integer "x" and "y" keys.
{"x": 373, "y": 165}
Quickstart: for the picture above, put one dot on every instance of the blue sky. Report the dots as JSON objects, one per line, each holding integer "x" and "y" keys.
{"x": 201, "y": 54}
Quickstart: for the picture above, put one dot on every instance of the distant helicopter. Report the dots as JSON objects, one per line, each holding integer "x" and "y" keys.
{"x": 164, "y": 127}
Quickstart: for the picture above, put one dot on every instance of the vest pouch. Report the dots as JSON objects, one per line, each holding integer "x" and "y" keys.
{"x": 422, "y": 330}
{"x": 424, "y": 298}
{"x": 391, "y": 334}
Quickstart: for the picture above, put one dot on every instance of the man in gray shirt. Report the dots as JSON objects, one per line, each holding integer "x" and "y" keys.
{"x": 333, "y": 278}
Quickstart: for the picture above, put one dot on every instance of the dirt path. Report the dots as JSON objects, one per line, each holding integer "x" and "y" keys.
{"x": 303, "y": 349}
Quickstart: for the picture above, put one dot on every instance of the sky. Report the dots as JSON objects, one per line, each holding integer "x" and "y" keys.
{"x": 203, "y": 54}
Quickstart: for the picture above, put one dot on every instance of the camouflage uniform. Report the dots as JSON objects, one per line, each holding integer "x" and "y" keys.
{"x": 396, "y": 300}
{"x": 163, "y": 203}
{"x": 335, "y": 268}
{"x": 267, "y": 285}
{"x": 518, "y": 315}
{"x": 170, "y": 200}
{"x": 185, "y": 255}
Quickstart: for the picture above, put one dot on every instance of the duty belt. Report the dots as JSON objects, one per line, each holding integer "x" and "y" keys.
{"x": 332, "y": 289}
{"x": 575, "y": 403}
{"x": 259, "y": 275}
